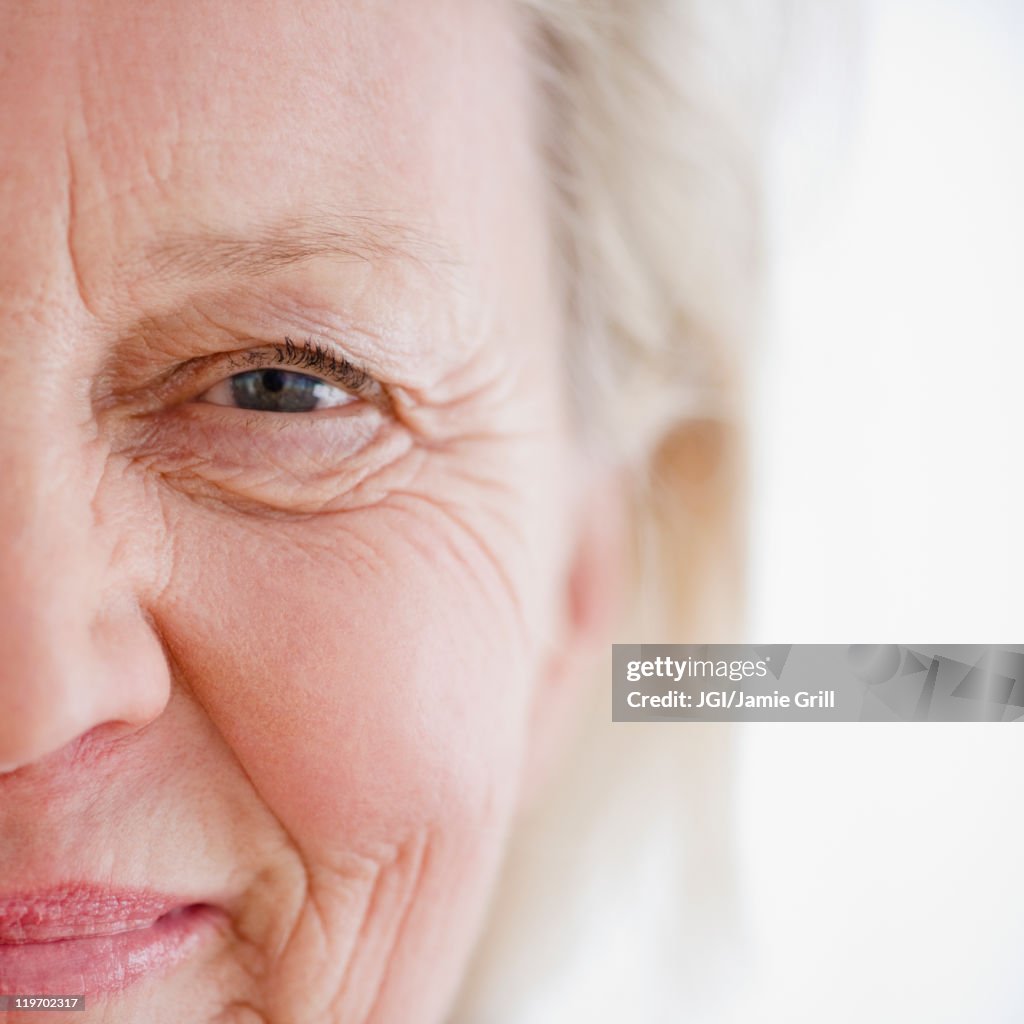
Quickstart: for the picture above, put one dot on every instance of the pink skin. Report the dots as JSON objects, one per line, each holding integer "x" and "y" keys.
{"x": 297, "y": 667}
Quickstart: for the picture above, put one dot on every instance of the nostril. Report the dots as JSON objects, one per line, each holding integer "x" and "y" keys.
{"x": 48, "y": 750}
{"x": 101, "y": 742}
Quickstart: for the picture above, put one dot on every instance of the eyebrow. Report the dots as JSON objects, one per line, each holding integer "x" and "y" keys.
{"x": 348, "y": 238}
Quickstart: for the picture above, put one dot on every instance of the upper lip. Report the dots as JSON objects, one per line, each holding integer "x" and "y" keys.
{"x": 78, "y": 911}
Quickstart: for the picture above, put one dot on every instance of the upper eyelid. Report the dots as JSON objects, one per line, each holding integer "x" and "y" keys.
{"x": 187, "y": 379}
{"x": 312, "y": 356}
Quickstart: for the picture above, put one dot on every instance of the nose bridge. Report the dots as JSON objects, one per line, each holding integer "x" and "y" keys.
{"x": 48, "y": 564}
{"x": 75, "y": 650}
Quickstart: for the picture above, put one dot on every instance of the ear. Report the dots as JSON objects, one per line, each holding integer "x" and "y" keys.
{"x": 591, "y": 603}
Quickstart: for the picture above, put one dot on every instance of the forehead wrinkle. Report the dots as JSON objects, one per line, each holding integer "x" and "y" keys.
{"x": 347, "y": 238}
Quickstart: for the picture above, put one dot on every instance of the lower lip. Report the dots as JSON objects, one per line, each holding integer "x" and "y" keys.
{"x": 96, "y": 964}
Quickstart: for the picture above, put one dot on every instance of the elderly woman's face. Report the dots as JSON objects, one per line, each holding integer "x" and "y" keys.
{"x": 286, "y": 500}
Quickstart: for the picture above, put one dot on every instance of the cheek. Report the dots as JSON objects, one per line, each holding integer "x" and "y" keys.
{"x": 370, "y": 677}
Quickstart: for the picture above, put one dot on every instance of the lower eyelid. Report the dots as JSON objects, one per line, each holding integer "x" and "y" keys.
{"x": 231, "y": 439}
{"x": 285, "y": 463}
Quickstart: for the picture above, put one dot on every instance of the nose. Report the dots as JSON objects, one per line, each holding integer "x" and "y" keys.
{"x": 79, "y": 661}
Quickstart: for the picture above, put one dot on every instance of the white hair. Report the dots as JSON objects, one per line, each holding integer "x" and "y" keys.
{"x": 652, "y": 114}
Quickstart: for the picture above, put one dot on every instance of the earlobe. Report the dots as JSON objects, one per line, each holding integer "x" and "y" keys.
{"x": 591, "y": 604}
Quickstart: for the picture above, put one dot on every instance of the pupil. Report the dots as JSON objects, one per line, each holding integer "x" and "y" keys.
{"x": 273, "y": 380}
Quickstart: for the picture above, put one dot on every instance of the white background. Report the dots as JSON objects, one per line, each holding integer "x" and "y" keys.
{"x": 880, "y": 863}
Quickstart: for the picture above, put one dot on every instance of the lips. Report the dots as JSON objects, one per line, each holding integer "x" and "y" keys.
{"x": 82, "y": 940}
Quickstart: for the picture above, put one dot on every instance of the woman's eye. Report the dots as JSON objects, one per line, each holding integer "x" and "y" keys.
{"x": 273, "y": 390}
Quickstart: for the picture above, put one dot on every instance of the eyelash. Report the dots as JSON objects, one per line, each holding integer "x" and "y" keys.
{"x": 310, "y": 355}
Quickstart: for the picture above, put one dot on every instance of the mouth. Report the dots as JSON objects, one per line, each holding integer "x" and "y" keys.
{"x": 87, "y": 940}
